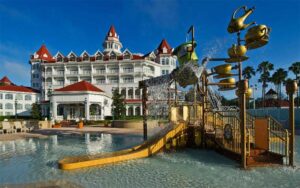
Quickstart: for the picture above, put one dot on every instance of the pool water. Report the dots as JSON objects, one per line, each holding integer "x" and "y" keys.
{"x": 35, "y": 160}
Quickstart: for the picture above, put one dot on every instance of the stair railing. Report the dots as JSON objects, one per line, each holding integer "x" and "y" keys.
{"x": 278, "y": 138}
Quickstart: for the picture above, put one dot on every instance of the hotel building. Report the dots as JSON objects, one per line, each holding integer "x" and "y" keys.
{"x": 109, "y": 69}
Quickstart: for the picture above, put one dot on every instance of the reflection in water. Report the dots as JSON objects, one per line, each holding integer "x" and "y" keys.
{"x": 98, "y": 143}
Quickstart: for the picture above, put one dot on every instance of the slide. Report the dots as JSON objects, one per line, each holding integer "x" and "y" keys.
{"x": 146, "y": 149}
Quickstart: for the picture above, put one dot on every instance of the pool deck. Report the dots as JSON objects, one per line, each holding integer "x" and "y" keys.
{"x": 43, "y": 133}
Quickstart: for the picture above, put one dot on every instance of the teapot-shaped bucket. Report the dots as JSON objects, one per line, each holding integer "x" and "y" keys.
{"x": 248, "y": 93}
{"x": 237, "y": 24}
{"x": 223, "y": 69}
{"x": 230, "y": 81}
{"x": 186, "y": 53}
{"x": 257, "y": 36}
{"x": 237, "y": 51}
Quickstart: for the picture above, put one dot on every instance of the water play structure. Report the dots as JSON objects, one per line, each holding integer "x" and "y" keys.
{"x": 205, "y": 122}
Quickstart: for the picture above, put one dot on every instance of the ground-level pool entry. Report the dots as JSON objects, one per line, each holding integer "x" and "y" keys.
{"x": 35, "y": 160}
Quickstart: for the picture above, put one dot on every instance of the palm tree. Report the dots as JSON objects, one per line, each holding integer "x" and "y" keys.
{"x": 264, "y": 68}
{"x": 295, "y": 68}
{"x": 248, "y": 72}
{"x": 278, "y": 78}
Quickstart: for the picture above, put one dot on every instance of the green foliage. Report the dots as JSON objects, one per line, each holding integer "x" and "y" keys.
{"x": 295, "y": 68}
{"x": 36, "y": 111}
{"x": 248, "y": 72}
{"x": 118, "y": 105}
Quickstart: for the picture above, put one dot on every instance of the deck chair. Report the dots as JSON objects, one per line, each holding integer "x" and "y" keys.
{"x": 7, "y": 127}
{"x": 26, "y": 127}
{"x": 18, "y": 126}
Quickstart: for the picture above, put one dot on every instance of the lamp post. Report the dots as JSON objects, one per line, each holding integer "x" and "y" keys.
{"x": 16, "y": 106}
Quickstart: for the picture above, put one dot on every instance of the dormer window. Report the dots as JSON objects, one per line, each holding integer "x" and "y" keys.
{"x": 72, "y": 57}
{"x": 59, "y": 58}
{"x": 85, "y": 56}
{"x": 113, "y": 56}
{"x": 165, "y": 50}
{"x": 98, "y": 56}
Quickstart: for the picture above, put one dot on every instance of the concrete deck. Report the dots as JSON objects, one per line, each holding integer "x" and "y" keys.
{"x": 43, "y": 133}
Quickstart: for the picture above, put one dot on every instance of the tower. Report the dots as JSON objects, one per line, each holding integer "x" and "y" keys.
{"x": 42, "y": 55}
{"x": 111, "y": 42}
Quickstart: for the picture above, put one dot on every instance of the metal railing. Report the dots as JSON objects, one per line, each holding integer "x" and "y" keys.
{"x": 278, "y": 138}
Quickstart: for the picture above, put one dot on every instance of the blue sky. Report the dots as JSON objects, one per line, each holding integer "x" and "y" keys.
{"x": 81, "y": 25}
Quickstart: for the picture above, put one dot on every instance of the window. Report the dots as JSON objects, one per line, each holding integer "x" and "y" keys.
{"x": 100, "y": 81}
{"x": 19, "y": 96}
{"x": 28, "y": 106}
{"x": 59, "y": 58}
{"x": 114, "y": 70}
{"x": 128, "y": 80}
{"x": 167, "y": 61}
{"x": 9, "y": 106}
{"x": 86, "y": 71}
{"x": 163, "y": 72}
{"x": 60, "y": 72}
{"x": 100, "y": 71}
{"x": 163, "y": 61}
{"x": 1, "y": 96}
{"x": 60, "y": 82}
{"x": 72, "y": 57}
{"x": 114, "y": 80}
{"x": 128, "y": 69}
{"x": 113, "y": 56}
{"x": 1, "y": 107}
{"x": 98, "y": 57}
{"x": 85, "y": 57}
{"x": 9, "y": 96}
{"x": 27, "y": 97}
{"x": 19, "y": 106}
{"x": 126, "y": 55}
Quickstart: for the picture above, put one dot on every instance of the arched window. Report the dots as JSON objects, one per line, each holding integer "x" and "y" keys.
{"x": 28, "y": 97}
{"x": 19, "y": 97}
{"x": 9, "y": 96}
{"x": 9, "y": 106}
{"x": 138, "y": 111}
{"x": 19, "y": 106}
{"x": 163, "y": 61}
{"x": 28, "y": 106}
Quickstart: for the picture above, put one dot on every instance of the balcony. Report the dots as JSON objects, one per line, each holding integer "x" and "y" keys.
{"x": 101, "y": 71}
{"x": 85, "y": 73}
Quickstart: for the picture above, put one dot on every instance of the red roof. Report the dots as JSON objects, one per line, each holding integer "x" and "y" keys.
{"x": 134, "y": 56}
{"x": 162, "y": 45}
{"x": 5, "y": 80}
{"x": 17, "y": 88}
{"x": 44, "y": 54}
{"x": 80, "y": 86}
{"x": 112, "y": 32}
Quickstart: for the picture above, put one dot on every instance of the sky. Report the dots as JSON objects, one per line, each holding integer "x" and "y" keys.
{"x": 80, "y": 25}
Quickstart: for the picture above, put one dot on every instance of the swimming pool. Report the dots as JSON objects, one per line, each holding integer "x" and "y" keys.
{"x": 32, "y": 160}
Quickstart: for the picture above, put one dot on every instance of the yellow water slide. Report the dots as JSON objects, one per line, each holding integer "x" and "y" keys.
{"x": 146, "y": 149}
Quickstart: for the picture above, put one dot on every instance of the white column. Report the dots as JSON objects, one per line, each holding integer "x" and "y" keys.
{"x": 126, "y": 93}
{"x": 87, "y": 110}
{"x": 54, "y": 110}
{"x": 133, "y": 111}
{"x": 126, "y": 110}
{"x": 133, "y": 92}
{"x": 141, "y": 110}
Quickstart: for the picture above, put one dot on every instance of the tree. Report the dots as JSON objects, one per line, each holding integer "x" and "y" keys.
{"x": 248, "y": 72}
{"x": 36, "y": 111}
{"x": 278, "y": 78}
{"x": 118, "y": 105}
{"x": 295, "y": 68}
{"x": 264, "y": 69}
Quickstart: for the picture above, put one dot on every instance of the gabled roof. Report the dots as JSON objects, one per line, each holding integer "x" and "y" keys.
{"x": 71, "y": 53}
{"x": 80, "y": 86}
{"x": 43, "y": 53}
{"x": 9, "y": 86}
{"x": 98, "y": 52}
{"x": 5, "y": 80}
{"x": 164, "y": 44}
{"x": 84, "y": 53}
{"x": 271, "y": 92}
{"x": 58, "y": 54}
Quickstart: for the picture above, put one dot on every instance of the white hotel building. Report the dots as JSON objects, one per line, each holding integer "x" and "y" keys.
{"x": 16, "y": 99}
{"x": 107, "y": 70}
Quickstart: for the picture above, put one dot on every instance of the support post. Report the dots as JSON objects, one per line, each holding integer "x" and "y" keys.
{"x": 291, "y": 88}
{"x": 242, "y": 89}
{"x": 145, "y": 110}
{"x": 204, "y": 88}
